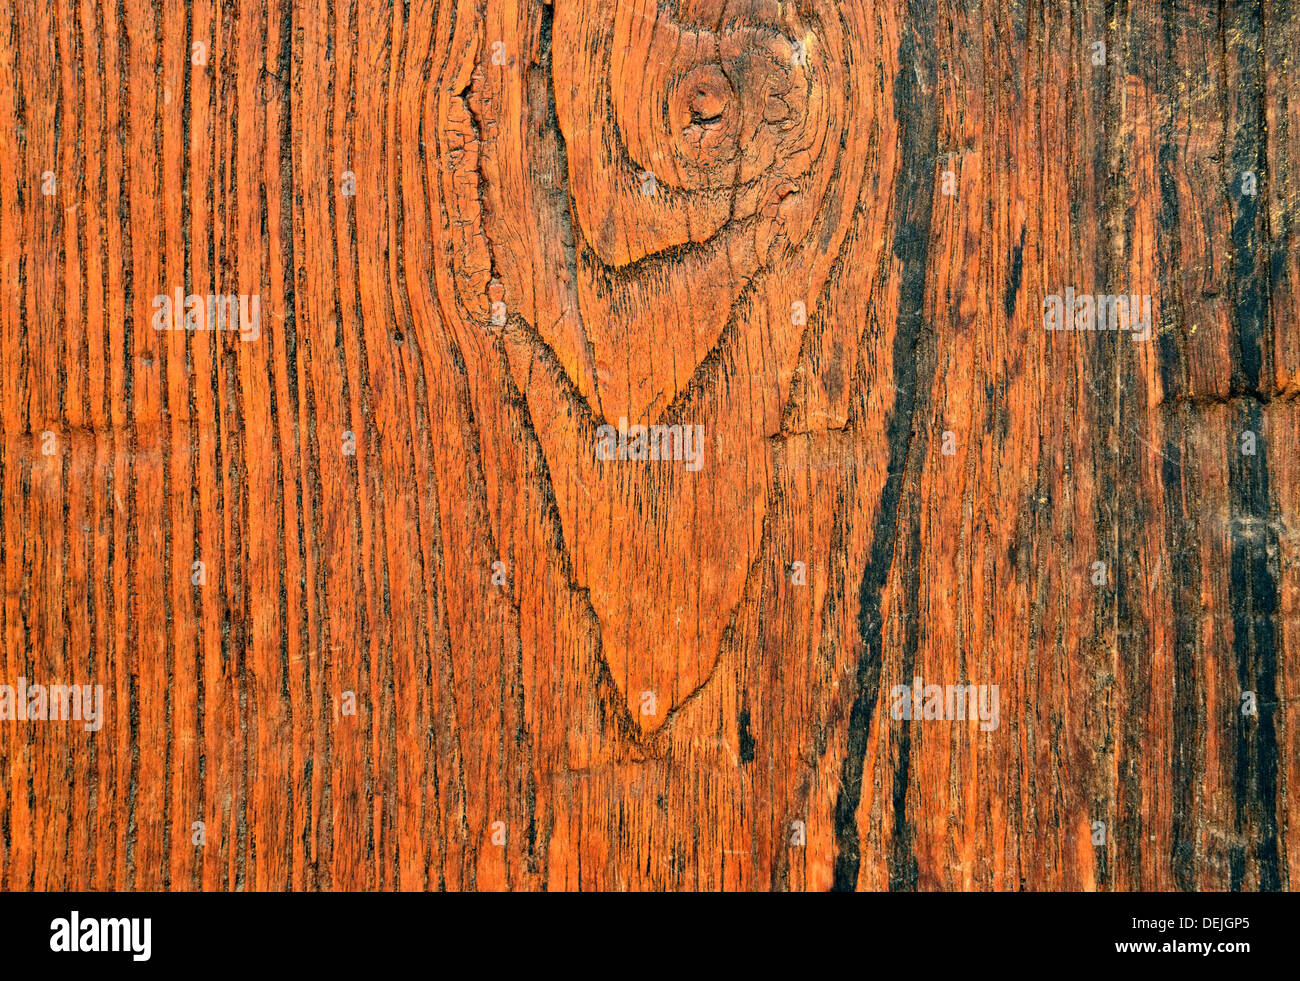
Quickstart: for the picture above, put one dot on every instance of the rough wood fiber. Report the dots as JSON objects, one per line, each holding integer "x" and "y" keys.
{"x": 505, "y": 280}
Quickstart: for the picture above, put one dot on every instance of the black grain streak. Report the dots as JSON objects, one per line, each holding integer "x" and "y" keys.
{"x": 918, "y": 123}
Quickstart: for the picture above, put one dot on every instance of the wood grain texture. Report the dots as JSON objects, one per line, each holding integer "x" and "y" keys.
{"x": 572, "y": 213}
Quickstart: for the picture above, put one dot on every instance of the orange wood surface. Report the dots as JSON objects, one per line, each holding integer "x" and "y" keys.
{"x": 819, "y": 234}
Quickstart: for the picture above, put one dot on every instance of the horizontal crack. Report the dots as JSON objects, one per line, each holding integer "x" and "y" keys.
{"x": 1209, "y": 398}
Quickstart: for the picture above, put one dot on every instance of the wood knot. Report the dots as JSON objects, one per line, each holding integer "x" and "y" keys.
{"x": 736, "y": 117}
{"x": 704, "y": 120}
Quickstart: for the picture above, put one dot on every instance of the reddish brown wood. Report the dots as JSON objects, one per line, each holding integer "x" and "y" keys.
{"x": 506, "y": 280}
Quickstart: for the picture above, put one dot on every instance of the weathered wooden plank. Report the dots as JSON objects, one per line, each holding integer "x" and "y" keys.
{"x": 367, "y": 601}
